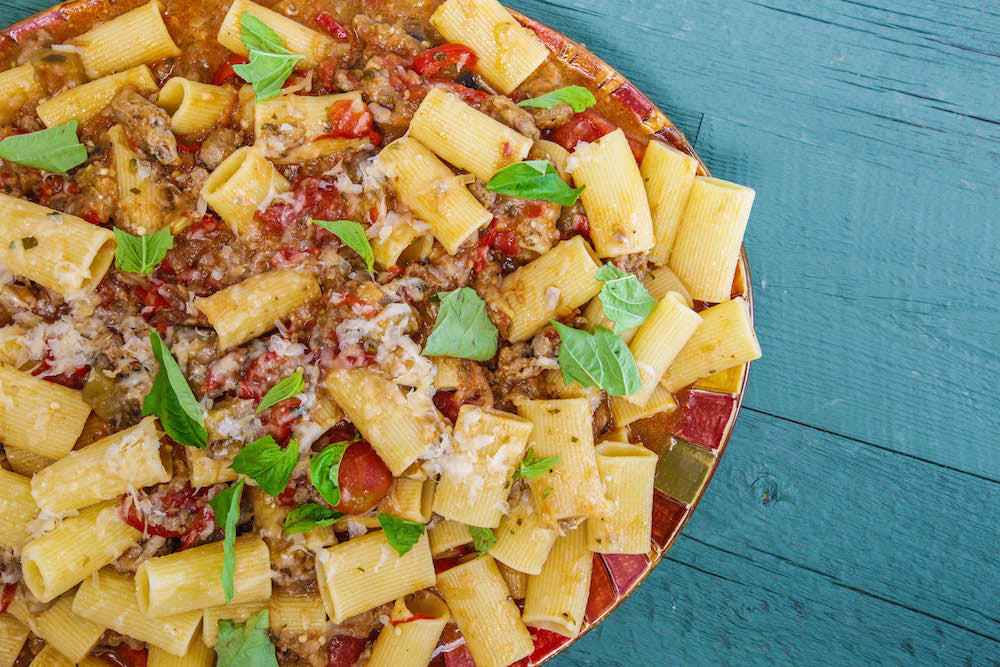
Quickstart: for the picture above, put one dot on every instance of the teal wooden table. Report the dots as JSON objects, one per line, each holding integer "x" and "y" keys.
{"x": 854, "y": 517}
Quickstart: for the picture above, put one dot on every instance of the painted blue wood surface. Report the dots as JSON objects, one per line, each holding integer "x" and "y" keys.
{"x": 871, "y": 131}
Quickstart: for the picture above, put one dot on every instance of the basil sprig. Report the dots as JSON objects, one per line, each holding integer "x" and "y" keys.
{"x": 626, "y": 301}
{"x": 264, "y": 461}
{"x": 462, "y": 328}
{"x": 141, "y": 254}
{"x": 227, "y": 514}
{"x": 578, "y": 97}
{"x": 56, "y": 149}
{"x": 600, "y": 359}
{"x": 531, "y": 466}
{"x": 482, "y": 538}
{"x": 310, "y": 516}
{"x": 400, "y": 533}
{"x": 270, "y": 62}
{"x": 533, "y": 179}
{"x": 283, "y": 389}
{"x": 324, "y": 471}
{"x": 245, "y": 644}
{"x": 171, "y": 399}
{"x": 353, "y": 236}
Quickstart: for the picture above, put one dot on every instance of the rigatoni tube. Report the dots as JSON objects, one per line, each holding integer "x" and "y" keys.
{"x": 242, "y": 184}
{"x": 412, "y": 633}
{"x": 668, "y": 174}
{"x": 480, "y": 602}
{"x": 76, "y": 548}
{"x": 466, "y": 137}
{"x": 189, "y": 580}
{"x": 488, "y": 444}
{"x": 17, "y": 509}
{"x": 658, "y": 340}
{"x": 84, "y": 101}
{"x": 708, "y": 241}
{"x": 557, "y": 597}
{"x": 725, "y": 338}
{"x": 243, "y": 311}
{"x": 615, "y": 197}
{"x": 39, "y": 416}
{"x": 627, "y": 472}
{"x": 122, "y": 462}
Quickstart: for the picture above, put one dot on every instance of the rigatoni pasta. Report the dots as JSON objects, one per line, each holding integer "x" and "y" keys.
{"x": 18, "y": 88}
{"x": 627, "y": 472}
{"x": 13, "y": 634}
{"x": 363, "y": 573}
{"x": 134, "y": 38}
{"x": 428, "y": 187}
{"x": 74, "y": 549}
{"x": 725, "y": 338}
{"x": 122, "y": 462}
{"x": 507, "y": 53}
{"x": 465, "y": 137}
{"x": 195, "y": 107}
{"x": 198, "y": 655}
{"x": 189, "y": 580}
{"x": 477, "y": 480}
{"x": 480, "y": 603}
{"x": 313, "y": 46}
{"x": 109, "y": 599}
{"x": 71, "y": 635}
{"x": 668, "y": 174}
{"x": 556, "y": 599}
{"x": 709, "y": 237}
{"x": 57, "y": 250}
{"x": 411, "y": 635}
{"x": 242, "y": 185}
{"x": 563, "y": 428}
{"x": 524, "y": 539}
{"x": 615, "y": 197}
{"x": 658, "y": 340}
{"x": 246, "y": 310}
{"x": 549, "y": 287}
{"x": 17, "y": 509}
{"x": 39, "y": 416}
{"x": 84, "y": 101}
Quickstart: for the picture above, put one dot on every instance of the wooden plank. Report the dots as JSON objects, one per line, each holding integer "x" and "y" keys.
{"x": 872, "y": 136}
{"x": 810, "y": 548}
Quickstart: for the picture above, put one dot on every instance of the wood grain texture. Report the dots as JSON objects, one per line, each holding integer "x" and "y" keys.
{"x": 871, "y": 132}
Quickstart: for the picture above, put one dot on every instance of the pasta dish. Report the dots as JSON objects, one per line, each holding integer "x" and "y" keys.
{"x": 325, "y": 332}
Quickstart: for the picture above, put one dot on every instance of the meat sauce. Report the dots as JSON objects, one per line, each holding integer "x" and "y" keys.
{"x": 388, "y": 50}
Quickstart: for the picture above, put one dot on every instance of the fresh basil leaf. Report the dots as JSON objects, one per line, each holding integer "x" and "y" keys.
{"x": 141, "y": 254}
{"x": 482, "y": 538}
{"x": 227, "y": 514}
{"x": 171, "y": 399}
{"x": 462, "y": 328}
{"x": 267, "y": 463}
{"x": 271, "y": 63}
{"x": 402, "y": 534}
{"x": 533, "y": 179}
{"x": 353, "y": 236}
{"x": 56, "y": 149}
{"x": 267, "y": 72}
{"x": 245, "y": 644}
{"x": 600, "y": 360}
{"x": 577, "y": 97}
{"x": 310, "y": 516}
{"x": 255, "y": 34}
{"x": 626, "y": 301}
{"x": 532, "y": 466}
{"x": 324, "y": 470}
{"x": 285, "y": 388}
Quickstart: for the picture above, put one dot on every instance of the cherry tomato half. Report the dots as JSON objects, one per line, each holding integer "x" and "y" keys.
{"x": 364, "y": 479}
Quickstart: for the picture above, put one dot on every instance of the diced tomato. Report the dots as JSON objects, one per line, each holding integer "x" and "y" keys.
{"x": 468, "y": 95}
{"x": 280, "y": 418}
{"x": 204, "y": 227}
{"x": 433, "y": 60}
{"x": 507, "y": 242}
{"x": 130, "y": 514}
{"x": 291, "y": 256}
{"x": 326, "y": 21}
{"x": 226, "y": 72}
{"x": 581, "y": 225}
{"x": 449, "y": 402}
{"x": 322, "y": 200}
{"x": 52, "y": 185}
{"x": 262, "y": 374}
{"x": 7, "y": 597}
{"x": 364, "y": 479}
{"x": 584, "y": 126}
{"x": 74, "y": 379}
{"x": 152, "y": 300}
{"x": 345, "y": 650}
{"x": 188, "y": 148}
{"x": 91, "y": 216}
{"x": 204, "y": 519}
{"x": 350, "y": 119}
{"x": 123, "y": 656}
